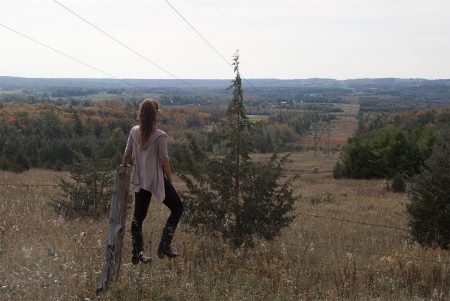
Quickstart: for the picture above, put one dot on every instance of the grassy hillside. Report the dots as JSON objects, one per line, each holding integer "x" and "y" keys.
{"x": 346, "y": 243}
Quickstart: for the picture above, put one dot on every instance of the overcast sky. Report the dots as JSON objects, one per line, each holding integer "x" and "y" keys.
{"x": 286, "y": 39}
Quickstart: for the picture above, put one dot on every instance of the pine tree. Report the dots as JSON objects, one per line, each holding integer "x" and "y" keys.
{"x": 231, "y": 194}
{"x": 89, "y": 192}
{"x": 429, "y": 193}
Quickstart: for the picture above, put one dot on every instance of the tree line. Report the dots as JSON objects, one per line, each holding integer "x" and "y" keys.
{"x": 50, "y": 135}
{"x": 377, "y": 104}
{"x": 46, "y": 134}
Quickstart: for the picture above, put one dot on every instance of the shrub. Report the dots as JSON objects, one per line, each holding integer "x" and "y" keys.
{"x": 319, "y": 198}
{"x": 398, "y": 184}
{"x": 89, "y": 191}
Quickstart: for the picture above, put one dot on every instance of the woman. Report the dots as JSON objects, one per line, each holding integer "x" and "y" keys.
{"x": 151, "y": 175}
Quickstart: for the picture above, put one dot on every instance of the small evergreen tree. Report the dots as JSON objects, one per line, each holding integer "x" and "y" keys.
{"x": 89, "y": 192}
{"x": 398, "y": 184}
{"x": 230, "y": 193}
{"x": 429, "y": 193}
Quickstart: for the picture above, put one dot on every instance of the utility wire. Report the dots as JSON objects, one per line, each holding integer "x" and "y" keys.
{"x": 24, "y": 62}
{"x": 70, "y": 57}
{"x": 199, "y": 34}
{"x": 213, "y": 48}
{"x": 195, "y": 45}
{"x": 135, "y": 52}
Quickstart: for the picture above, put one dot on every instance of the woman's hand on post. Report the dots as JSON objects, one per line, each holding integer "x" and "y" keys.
{"x": 125, "y": 161}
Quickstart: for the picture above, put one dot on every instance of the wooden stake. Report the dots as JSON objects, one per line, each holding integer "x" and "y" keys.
{"x": 116, "y": 229}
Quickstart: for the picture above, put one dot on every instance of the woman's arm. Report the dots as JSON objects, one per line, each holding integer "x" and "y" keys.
{"x": 125, "y": 160}
{"x": 128, "y": 151}
{"x": 166, "y": 168}
{"x": 164, "y": 156}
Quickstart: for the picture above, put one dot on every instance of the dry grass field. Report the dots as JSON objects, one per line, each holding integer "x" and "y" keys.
{"x": 346, "y": 243}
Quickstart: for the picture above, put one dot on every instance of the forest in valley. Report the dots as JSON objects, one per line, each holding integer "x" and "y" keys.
{"x": 52, "y": 123}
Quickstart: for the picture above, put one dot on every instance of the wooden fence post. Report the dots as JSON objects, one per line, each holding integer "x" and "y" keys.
{"x": 116, "y": 227}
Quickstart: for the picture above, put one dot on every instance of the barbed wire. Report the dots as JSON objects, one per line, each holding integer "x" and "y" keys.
{"x": 239, "y": 265}
{"x": 295, "y": 212}
{"x": 350, "y": 251}
{"x": 371, "y": 253}
{"x": 301, "y": 245}
{"x": 364, "y": 269}
{"x": 30, "y": 185}
{"x": 350, "y": 221}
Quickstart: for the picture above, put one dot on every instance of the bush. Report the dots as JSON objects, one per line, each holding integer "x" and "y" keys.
{"x": 398, "y": 184}
{"x": 319, "y": 198}
{"x": 89, "y": 191}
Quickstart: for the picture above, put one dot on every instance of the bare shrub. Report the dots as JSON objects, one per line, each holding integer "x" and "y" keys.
{"x": 319, "y": 198}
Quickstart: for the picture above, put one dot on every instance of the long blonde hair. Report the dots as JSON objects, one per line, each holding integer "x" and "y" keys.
{"x": 147, "y": 121}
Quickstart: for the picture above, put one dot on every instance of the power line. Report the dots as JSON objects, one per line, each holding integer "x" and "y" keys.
{"x": 24, "y": 62}
{"x": 199, "y": 34}
{"x": 66, "y": 55}
{"x": 142, "y": 2}
{"x": 213, "y": 48}
{"x": 135, "y": 52}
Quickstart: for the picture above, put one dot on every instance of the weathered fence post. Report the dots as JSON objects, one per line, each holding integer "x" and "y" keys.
{"x": 116, "y": 227}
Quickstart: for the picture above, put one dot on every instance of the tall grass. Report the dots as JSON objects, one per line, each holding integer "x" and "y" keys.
{"x": 47, "y": 257}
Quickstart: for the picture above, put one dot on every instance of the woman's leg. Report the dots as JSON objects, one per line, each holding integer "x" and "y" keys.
{"x": 173, "y": 202}
{"x": 141, "y": 203}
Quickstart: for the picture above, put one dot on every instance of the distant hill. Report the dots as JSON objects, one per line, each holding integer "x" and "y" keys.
{"x": 49, "y": 84}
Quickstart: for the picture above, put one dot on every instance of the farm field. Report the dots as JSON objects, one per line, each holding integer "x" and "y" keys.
{"x": 10, "y": 92}
{"x": 347, "y": 242}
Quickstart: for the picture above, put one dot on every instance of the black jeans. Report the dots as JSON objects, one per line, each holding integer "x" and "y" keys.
{"x": 142, "y": 201}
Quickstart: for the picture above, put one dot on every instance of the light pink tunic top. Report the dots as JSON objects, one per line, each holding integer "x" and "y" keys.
{"x": 147, "y": 171}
